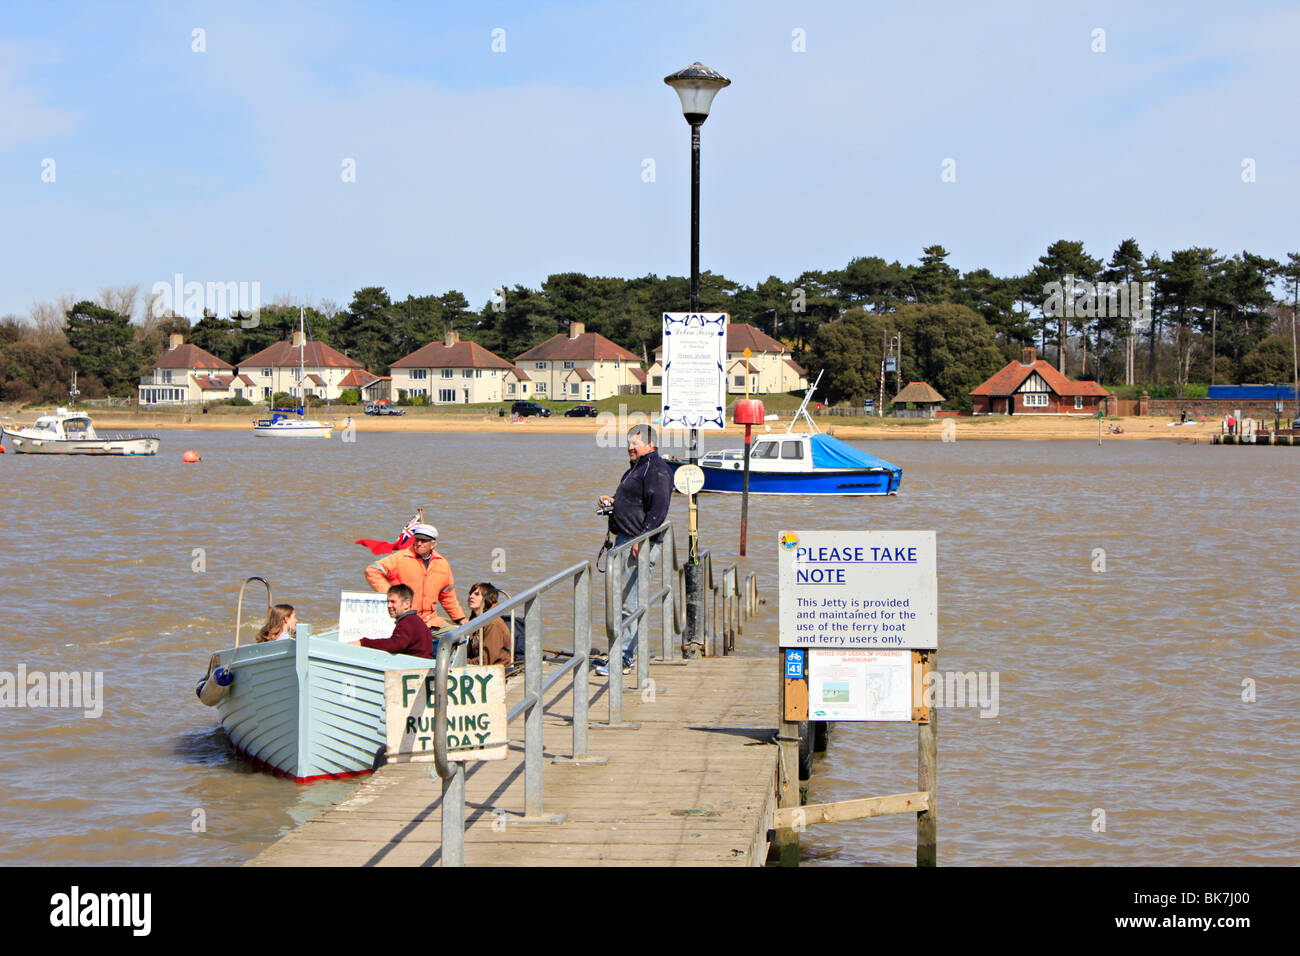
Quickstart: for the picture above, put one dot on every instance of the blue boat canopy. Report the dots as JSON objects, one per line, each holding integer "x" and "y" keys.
{"x": 830, "y": 452}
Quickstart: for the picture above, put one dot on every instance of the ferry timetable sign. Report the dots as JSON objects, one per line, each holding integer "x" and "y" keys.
{"x": 858, "y": 589}
{"x": 695, "y": 375}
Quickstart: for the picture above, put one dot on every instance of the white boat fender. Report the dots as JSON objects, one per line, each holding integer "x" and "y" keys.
{"x": 213, "y": 686}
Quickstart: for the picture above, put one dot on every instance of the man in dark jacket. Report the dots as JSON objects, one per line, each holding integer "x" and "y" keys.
{"x": 410, "y": 635}
{"x": 640, "y": 504}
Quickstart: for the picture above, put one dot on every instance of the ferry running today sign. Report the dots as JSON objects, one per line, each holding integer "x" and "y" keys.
{"x": 858, "y": 589}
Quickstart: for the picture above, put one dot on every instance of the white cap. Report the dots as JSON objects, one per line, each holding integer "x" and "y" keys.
{"x": 427, "y": 530}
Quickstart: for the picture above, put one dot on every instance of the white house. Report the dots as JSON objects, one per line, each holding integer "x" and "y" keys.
{"x": 581, "y": 366}
{"x": 275, "y": 369}
{"x": 451, "y": 372}
{"x": 770, "y": 368}
{"x": 186, "y": 373}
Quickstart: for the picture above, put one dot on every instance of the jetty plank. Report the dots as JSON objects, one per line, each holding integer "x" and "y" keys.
{"x": 695, "y": 784}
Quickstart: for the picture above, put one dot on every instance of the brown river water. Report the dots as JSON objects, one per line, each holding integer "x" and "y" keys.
{"x": 1118, "y": 691}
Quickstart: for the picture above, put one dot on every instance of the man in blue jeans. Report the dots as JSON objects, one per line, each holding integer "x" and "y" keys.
{"x": 640, "y": 504}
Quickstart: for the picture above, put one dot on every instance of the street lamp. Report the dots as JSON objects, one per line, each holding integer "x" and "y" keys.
{"x": 695, "y": 85}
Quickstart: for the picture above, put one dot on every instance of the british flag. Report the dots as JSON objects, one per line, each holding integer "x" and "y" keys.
{"x": 383, "y": 547}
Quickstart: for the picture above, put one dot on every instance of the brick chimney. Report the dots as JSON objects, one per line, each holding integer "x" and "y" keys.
{"x": 175, "y": 341}
{"x": 299, "y": 340}
{"x": 1028, "y": 356}
{"x": 576, "y": 329}
{"x": 451, "y": 338}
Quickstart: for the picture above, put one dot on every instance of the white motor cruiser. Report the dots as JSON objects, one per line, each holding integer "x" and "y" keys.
{"x": 72, "y": 433}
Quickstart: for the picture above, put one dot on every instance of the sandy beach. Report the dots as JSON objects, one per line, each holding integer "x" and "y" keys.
{"x": 427, "y": 420}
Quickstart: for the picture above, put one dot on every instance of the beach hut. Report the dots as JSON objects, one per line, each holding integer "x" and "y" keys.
{"x": 921, "y": 395}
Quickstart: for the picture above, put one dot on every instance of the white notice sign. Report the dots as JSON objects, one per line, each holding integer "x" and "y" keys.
{"x": 476, "y": 713}
{"x": 859, "y": 685}
{"x": 363, "y": 614}
{"x": 695, "y": 378}
{"x": 858, "y": 589}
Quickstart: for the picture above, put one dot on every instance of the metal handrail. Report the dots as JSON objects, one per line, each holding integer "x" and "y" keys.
{"x": 737, "y": 605}
{"x": 673, "y": 611}
{"x": 239, "y": 610}
{"x": 531, "y": 707}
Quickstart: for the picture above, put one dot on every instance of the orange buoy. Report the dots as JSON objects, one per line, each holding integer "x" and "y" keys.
{"x": 191, "y": 456}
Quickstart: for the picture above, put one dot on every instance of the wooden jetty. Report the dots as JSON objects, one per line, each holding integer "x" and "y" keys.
{"x": 696, "y": 783}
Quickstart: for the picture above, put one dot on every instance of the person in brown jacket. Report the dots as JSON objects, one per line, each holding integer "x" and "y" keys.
{"x": 492, "y": 641}
{"x": 425, "y": 572}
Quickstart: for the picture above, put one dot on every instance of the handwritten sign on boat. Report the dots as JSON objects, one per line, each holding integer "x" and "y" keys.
{"x": 363, "y": 614}
{"x": 476, "y": 713}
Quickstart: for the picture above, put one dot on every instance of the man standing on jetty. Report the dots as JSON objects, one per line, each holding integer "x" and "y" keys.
{"x": 640, "y": 504}
{"x": 426, "y": 573}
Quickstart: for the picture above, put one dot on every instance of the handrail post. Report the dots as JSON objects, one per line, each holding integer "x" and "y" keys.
{"x": 453, "y": 775}
{"x": 642, "y": 626}
{"x": 533, "y": 718}
{"x": 581, "y": 650}
{"x": 614, "y": 663}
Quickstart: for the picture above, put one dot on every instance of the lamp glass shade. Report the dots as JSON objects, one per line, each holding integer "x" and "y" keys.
{"x": 696, "y": 85}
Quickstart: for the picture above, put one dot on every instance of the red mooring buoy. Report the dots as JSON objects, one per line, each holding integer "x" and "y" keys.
{"x": 191, "y": 456}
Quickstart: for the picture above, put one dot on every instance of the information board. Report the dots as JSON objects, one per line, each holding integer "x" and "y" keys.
{"x": 858, "y": 589}
{"x": 476, "y": 713}
{"x": 859, "y": 685}
{"x": 363, "y": 614}
{"x": 695, "y": 376}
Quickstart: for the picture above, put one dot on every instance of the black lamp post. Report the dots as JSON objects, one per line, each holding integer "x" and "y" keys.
{"x": 696, "y": 85}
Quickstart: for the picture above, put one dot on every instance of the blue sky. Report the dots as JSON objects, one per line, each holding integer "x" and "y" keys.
{"x": 476, "y": 168}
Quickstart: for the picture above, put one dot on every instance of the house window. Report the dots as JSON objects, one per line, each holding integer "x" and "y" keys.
{"x": 467, "y": 373}
{"x": 541, "y": 365}
{"x": 657, "y": 381}
{"x": 266, "y": 392}
{"x": 510, "y": 388}
{"x": 568, "y": 365}
{"x": 478, "y": 373}
{"x": 266, "y": 373}
{"x": 541, "y": 388}
{"x": 446, "y": 394}
{"x": 419, "y": 373}
{"x": 1078, "y": 401}
{"x": 573, "y": 388}
{"x": 448, "y": 372}
{"x": 740, "y": 381}
{"x": 1035, "y": 399}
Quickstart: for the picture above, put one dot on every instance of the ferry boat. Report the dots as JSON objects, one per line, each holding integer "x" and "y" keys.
{"x": 799, "y": 463}
{"x": 70, "y": 432}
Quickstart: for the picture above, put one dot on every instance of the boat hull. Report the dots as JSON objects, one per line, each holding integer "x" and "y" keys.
{"x": 309, "y": 709}
{"x": 728, "y": 481}
{"x": 130, "y": 447}
{"x": 293, "y": 430}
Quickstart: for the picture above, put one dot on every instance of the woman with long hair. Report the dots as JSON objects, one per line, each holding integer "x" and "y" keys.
{"x": 281, "y": 623}
{"x": 489, "y": 645}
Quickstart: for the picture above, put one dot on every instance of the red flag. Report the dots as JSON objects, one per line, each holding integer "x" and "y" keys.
{"x": 383, "y": 547}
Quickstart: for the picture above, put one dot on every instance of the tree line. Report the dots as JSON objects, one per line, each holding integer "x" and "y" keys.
{"x": 1209, "y": 318}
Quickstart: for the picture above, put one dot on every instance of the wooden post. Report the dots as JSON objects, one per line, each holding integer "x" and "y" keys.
{"x": 927, "y": 782}
{"x": 787, "y": 783}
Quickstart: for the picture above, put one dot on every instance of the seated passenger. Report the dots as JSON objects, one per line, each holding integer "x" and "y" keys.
{"x": 492, "y": 641}
{"x": 281, "y": 624}
{"x": 410, "y": 635}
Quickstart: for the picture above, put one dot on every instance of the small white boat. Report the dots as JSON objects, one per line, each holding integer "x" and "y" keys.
{"x": 281, "y": 424}
{"x": 69, "y": 432}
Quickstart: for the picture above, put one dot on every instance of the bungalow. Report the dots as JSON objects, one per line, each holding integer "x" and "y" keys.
{"x": 581, "y": 366}
{"x": 451, "y": 372}
{"x": 186, "y": 373}
{"x": 770, "y": 368}
{"x": 275, "y": 369}
{"x": 372, "y": 387}
{"x": 1032, "y": 386}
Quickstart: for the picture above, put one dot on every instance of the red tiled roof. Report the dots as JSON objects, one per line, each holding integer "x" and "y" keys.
{"x": 519, "y": 374}
{"x": 748, "y": 365}
{"x": 460, "y": 355}
{"x": 795, "y": 365}
{"x": 316, "y": 379}
{"x": 1009, "y": 378}
{"x": 639, "y": 375}
{"x": 209, "y": 383}
{"x": 286, "y": 355}
{"x": 589, "y": 346}
{"x": 191, "y": 356}
{"x": 358, "y": 378}
{"x": 244, "y": 378}
{"x": 582, "y": 374}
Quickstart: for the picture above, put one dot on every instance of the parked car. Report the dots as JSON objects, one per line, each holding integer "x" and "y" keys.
{"x": 581, "y": 411}
{"x": 529, "y": 409}
{"x": 382, "y": 408}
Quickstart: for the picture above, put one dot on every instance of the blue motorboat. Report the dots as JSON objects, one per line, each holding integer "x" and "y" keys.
{"x": 803, "y": 462}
